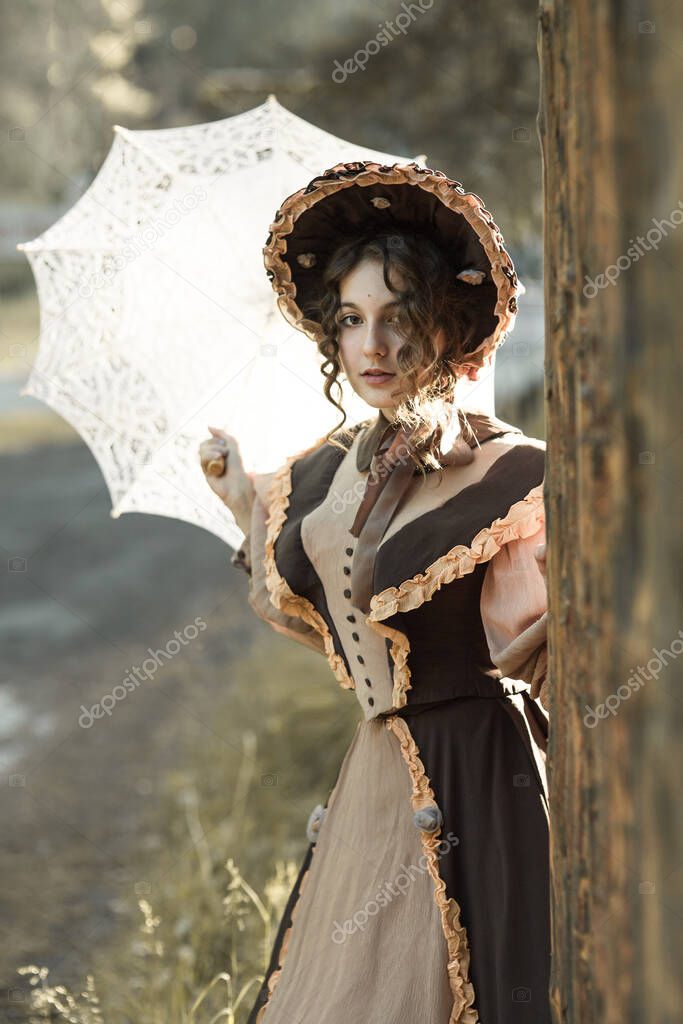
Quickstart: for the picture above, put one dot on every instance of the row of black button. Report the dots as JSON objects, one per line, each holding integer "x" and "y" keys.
{"x": 352, "y": 618}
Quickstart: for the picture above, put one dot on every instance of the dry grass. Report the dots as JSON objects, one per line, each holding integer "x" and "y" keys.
{"x": 233, "y": 830}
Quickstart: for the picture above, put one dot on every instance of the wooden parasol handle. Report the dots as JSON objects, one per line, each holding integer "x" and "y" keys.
{"x": 216, "y": 467}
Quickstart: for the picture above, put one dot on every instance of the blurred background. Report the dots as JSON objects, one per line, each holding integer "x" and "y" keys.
{"x": 154, "y": 849}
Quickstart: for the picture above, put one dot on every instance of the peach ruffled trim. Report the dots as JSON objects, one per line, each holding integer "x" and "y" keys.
{"x": 462, "y": 990}
{"x": 400, "y": 649}
{"x": 280, "y": 592}
{"x": 522, "y": 520}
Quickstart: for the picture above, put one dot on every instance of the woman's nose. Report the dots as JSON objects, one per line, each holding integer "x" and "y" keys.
{"x": 374, "y": 343}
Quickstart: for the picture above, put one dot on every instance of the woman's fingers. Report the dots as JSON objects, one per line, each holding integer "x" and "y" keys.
{"x": 211, "y": 450}
{"x": 218, "y": 455}
{"x": 213, "y": 445}
{"x": 223, "y": 439}
{"x": 222, "y": 435}
{"x": 214, "y": 457}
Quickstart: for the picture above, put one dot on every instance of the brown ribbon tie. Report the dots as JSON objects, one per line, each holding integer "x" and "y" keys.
{"x": 391, "y": 472}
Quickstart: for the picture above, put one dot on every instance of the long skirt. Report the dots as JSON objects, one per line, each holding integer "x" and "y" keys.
{"x": 425, "y": 898}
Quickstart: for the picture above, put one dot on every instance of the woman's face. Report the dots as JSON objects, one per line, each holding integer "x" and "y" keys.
{"x": 368, "y": 335}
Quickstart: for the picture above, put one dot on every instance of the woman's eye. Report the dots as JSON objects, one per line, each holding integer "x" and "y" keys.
{"x": 343, "y": 319}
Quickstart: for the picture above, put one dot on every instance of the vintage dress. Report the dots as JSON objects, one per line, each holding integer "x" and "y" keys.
{"x": 425, "y": 897}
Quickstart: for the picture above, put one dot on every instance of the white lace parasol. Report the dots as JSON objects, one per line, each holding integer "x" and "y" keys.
{"x": 157, "y": 317}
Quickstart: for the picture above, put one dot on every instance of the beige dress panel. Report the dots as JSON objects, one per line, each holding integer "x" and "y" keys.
{"x": 372, "y": 905}
{"x": 329, "y": 546}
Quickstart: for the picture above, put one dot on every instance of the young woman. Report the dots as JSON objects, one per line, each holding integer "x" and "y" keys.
{"x": 408, "y": 550}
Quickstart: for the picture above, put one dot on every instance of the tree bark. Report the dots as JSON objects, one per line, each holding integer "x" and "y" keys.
{"x": 610, "y": 127}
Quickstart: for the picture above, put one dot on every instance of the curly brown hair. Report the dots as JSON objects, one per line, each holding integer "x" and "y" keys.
{"x": 433, "y": 299}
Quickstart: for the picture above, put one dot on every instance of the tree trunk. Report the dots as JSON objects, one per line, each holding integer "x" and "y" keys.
{"x": 609, "y": 122}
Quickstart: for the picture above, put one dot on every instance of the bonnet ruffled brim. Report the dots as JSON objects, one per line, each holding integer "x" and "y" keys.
{"x": 288, "y": 257}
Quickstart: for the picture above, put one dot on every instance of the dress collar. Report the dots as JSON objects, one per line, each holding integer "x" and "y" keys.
{"x": 483, "y": 426}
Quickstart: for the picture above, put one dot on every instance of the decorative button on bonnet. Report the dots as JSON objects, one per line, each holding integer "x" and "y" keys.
{"x": 428, "y": 819}
{"x": 380, "y": 203}
{"x": 471, "y": 275}
{"x": 315, "y": 820}
{"x": 307, "y": 259}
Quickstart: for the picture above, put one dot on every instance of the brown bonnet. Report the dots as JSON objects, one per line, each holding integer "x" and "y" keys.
{"x": 352, "y": 199}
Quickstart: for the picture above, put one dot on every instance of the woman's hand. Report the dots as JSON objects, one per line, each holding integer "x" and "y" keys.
{"x": 226, "y": 476}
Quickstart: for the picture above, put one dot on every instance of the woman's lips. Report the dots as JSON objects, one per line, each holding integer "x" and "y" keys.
{"x": 377, "y": 379}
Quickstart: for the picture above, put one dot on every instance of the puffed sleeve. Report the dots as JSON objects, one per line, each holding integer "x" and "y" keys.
{"x": 514, "y": 613}
{"x": 250, "y": 557}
